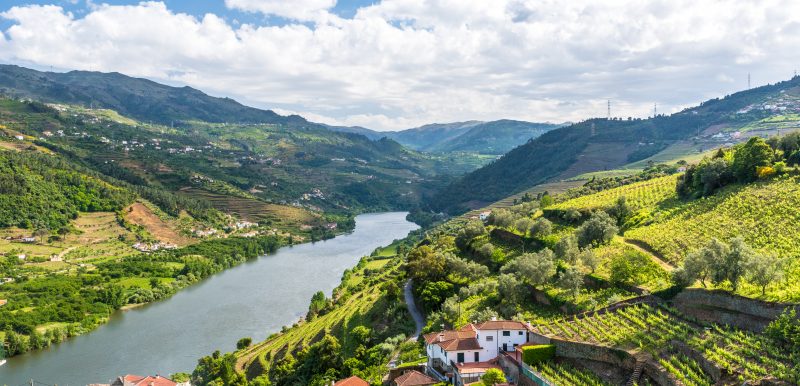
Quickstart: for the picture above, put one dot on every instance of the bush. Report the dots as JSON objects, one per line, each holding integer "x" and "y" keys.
{"x": 532, "y": 355}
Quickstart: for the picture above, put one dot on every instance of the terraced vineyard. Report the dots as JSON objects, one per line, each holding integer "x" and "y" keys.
{"x": 564, "y": 374}
{"x": 639, "y": 195}
{"x": 765, "y": 214}
{"x": 650, "y": 328}
{"x": 686, "y": 370}
{"x": 352, "y": 309}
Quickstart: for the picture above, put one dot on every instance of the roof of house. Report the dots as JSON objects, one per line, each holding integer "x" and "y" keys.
{"x": 352, "y": 381}
{"x": 454, "y": 340}
{"x": 138, "y": 380}
{"x": 414, "y": 378}
{"x": 502, "y": 325}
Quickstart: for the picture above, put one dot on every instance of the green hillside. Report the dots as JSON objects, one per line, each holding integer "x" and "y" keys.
{"x": 601, "y": 144}
{"x": 494, "y": 137}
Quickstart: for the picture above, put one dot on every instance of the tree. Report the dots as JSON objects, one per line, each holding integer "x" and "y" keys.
{"x": 734, "y": 262}
{"x": 534, "y": 268}
{"x": 620, "y": 211}
{"x": 763, "y": 270}
{"x": 523, "y": 225}
{"x": 712, "y": 175}
{"x": 597, "y": 230}
{"x": 541, "y": 227}
{"x": 468, "y": 233}
{"x": 486, "y": 251}
{"x": 567, "y": 249}
{"x": 571, "y": 280}
{"x": 424, "y": 264}
{"x": 547, "y": 200}
{"x": 317, "y": 305}
{"x": 484, "y": 315}
{"x": 493, "y": 377}
{"x": 434, "y": 293}
{"x": 589, "y": 259}
{"x": 748, "y": 157}
{"x": 698, "y": 265}
{"x": 464, "y": 270}
{"x": 509, "y": 288}
{"x": 244, "y": 343}
{"x": 623, "y": 271}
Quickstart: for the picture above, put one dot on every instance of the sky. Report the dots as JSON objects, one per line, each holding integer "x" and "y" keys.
{"x": 395, "y": 64}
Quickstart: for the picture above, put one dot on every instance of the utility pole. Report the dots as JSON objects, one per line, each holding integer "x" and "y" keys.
{"x": 748, "y": 80}
{"x": 609, "y": 110}
{"x": 655, "y": 110}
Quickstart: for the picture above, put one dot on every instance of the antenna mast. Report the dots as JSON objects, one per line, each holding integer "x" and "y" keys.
{"x": 748, "y": 80}
{"x": 655, "y": 110}
{"x": 609, "y": 110}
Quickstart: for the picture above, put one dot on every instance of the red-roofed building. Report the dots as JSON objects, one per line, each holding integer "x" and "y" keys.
{"x": 414, "y": 378}
{"x": 138, "y": 380}
{"x": 352, "y": 381}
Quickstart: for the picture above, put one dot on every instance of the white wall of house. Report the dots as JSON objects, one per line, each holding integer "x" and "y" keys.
{"x": 434, "y": 351}
{"x": 494, "y": 341}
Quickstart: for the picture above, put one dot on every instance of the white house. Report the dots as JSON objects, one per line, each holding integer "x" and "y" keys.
{"x": 477, "y": 344}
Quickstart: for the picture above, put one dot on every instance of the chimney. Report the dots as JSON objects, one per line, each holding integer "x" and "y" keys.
{"x": 494, "y": 318}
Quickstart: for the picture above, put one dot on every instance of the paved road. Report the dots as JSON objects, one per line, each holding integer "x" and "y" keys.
{"x": 419, "y": 320}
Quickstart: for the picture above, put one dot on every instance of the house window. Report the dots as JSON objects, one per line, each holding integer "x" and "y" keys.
{"x": 477, "y": 356}
{"x": 460, "y": 357}
{"x": 520, "y": 333}
{"x": 489, "y": 338}
{"x": 506, "y": 333}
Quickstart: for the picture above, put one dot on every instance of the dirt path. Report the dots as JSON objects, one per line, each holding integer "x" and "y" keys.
{"x": 644, "y": 248}
{"x": 139, "y": 214}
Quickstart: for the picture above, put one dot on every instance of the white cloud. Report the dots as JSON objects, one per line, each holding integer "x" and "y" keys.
{"x": 401, "y": 63}
{"x": 292, "y": 9}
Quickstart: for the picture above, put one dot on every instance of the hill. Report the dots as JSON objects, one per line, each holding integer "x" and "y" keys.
{"x": 137, "y": 98}
{"x": 602, "y": 144}
{"x": 494, "y": 137}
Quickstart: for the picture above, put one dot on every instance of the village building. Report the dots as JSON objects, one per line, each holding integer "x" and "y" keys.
{"x": 138, "y": 380}
{"x": 414, "y": 378}
{"x": 352, "y": 381}
{"x": 467, "y": 353}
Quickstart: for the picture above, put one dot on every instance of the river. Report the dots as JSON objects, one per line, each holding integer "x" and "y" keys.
{"x": 253, "y": 299}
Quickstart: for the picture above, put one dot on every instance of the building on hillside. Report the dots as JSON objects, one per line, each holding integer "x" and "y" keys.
{"x": 413, "y": 378}
{"x": 3, "y": 302}
{"x": 473, "y": 344}
{"x": 485, "y": 215}
{"x": 352, "y": 381}
{"x": 138, "y": 380}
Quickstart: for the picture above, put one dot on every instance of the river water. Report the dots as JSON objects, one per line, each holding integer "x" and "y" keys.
{"x": 254, "y": 300}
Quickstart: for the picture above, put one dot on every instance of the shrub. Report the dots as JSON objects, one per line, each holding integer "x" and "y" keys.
{"x": 532, "y": 355}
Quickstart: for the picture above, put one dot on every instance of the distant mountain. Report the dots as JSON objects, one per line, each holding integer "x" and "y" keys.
{"x": 602, "y": 144}
{"x": 494, "y": 137}
{"x": 137, "y": 98}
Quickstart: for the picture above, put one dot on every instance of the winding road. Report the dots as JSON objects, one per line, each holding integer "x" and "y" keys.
{"x": 419, "y": 320}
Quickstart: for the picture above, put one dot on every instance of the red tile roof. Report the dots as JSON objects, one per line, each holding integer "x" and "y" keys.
{"x": 503, "y": 325}
{"x": 138, "y": 380}
{"x": 414, "y": 378}
{"x": 352, "y": 381}
{"x": 454, "y": 340}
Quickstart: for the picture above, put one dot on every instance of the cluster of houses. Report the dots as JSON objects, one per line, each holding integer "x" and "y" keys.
{"x": 152, "y": 247}
{"x": 783, "y": 103}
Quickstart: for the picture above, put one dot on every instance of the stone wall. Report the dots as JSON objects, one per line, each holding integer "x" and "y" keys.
{"x": 653, "y": 370}
{"x": 723, "y": 307}
{"x": 576, "y": 350}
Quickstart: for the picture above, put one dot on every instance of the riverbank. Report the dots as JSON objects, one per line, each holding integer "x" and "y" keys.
{"x": 253, "y": 299}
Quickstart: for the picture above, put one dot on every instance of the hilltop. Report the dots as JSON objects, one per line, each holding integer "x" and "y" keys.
{"x": 491, "y": 138}
{"x": 602, "y": 144}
